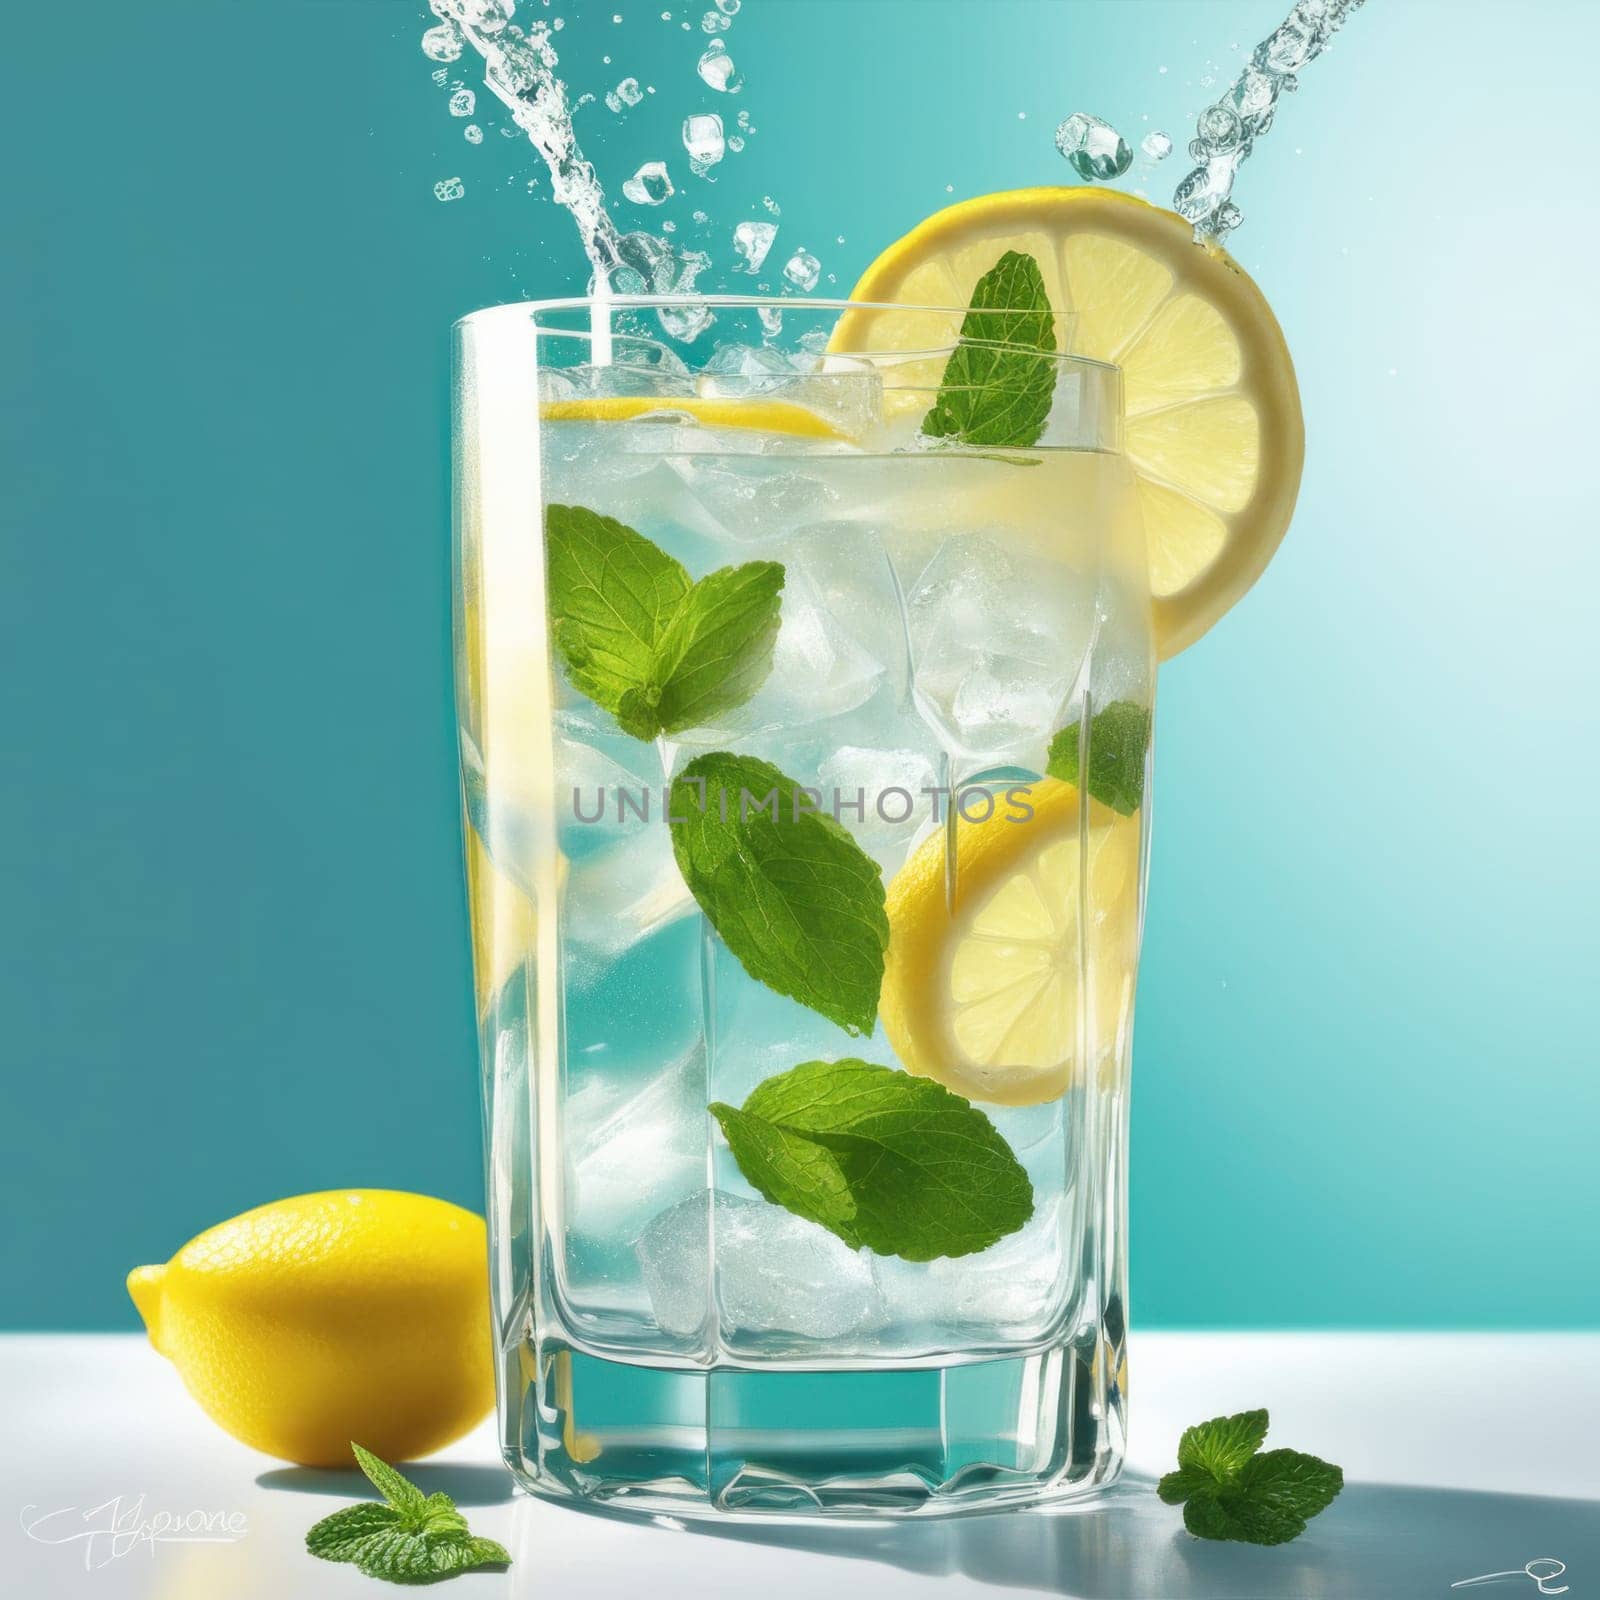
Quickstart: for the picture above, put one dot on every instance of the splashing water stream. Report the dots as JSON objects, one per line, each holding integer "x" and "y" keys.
{"x": 1226, "y": 131}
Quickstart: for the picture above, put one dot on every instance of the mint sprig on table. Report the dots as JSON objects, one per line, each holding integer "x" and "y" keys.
{"x": 410, "y": 1538}
{"x": 641, "y": 638}
{"x": 1119, "y": 738}
{"x": 1231, "y": 1489}
{"x": 896, "y": 1164}
{"x": 999, "y": 383}
{"x": 792, "y": 895}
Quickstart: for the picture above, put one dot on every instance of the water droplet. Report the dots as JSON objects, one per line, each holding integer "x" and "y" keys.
{"x": 752, "y": 241}
{"x": 702, "y": 138}
{"x": 1156, "y": 145}
{"x": 473, "y": 133}
{"x": 1093, "y": 149}
{"x": 649, "y": 186}
{"x": 735, "y": 143}
{"x": 713, "y": 22}
{"x": 729, "y": 8}
{"x": 802, "y": 269}
{"x": 442, "y": 43}
{"x": 463, "y": 103}
{"x": 449, "y": 189}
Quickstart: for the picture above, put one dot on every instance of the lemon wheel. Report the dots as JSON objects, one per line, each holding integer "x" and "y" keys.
{"x": 1213, "y": 427}
{"x": 1001, "y": 936}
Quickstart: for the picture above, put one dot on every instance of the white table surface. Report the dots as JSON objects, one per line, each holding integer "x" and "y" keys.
{"x": 1464, "y": 1454}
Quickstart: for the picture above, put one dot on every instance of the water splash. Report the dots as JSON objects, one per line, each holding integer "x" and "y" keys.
{"x": 520, "y": 71}
{"x": 1226, "y": 131}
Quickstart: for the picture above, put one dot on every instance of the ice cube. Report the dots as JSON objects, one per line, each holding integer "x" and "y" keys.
{"x": 1156, "y": 144}
{"x": 1093, "y": 148}
{"x": 717, "y": 70}
{"x": 752, "y": 241}
{"x": 442, "y": 43}
{"x": 649, "y": 186}
{"x": 1015, "y": 1285}
{"x": 997, "y": 638}
{"x": 449, "y": 189}
{"x": 841, "y": 638}
{"x": 633, "y": 1151}
{"x": 802, "y": 269}
{"x": 625, "y": 892}
{"x": 887, "y": 786}
{"x": 702, "y": 138}
{"x": 775, "y": 1272}
{"x": 462, "y": 103}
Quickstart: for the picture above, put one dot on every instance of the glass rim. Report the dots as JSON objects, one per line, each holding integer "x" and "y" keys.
{"x": 750, "y": 302}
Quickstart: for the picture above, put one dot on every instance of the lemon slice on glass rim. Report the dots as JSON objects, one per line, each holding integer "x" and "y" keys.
{"x": 1213, "y": 429}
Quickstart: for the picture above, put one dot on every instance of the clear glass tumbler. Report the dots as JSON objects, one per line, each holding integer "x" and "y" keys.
{"x": 805, "y": 729}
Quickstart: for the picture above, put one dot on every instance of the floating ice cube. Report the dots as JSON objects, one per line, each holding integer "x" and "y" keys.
{"x": 752, "y": 241}
{"x": 717, "y": 70}
{"x": 449, "y": 189}
{"x": 1093, "y": 149}
{"x": 997, "y": 638}
{"x": 463, "y": 103}
{"x": 775, "y": 1272}
{"x": 442, "y": 43}
{"x": 702, "y": 138}
{"x": 473, "y": 133}
{"x": 633, "y": 1151}
{"x": 1015, "y": 1284}
{"x": 649, "y": 186}
{"x": 802, "y": 269}
{"x": 1157, "y": 145}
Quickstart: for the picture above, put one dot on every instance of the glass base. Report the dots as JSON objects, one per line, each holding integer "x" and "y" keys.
{"x": 928, "y": 1441}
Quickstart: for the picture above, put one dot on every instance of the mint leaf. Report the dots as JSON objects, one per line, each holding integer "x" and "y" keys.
{"x": 1230, "y": 1489}
{"x": 400, "y": 1492}
{"x": 717, "y": 649}
{"x": 658, "y": 651}
{"x": 470, "y": 1553}
{"x": 1220, "y": 1448}
{"x": 886, "y": 1161}
{"x": 611, "y": 595}
{"x": 412, "y": 1539}
{"x": 1000, "y": 379}
{"x": 1119, "y": 737}
{"x": 791, "y": 894}
{"x": 342, "y": 1536}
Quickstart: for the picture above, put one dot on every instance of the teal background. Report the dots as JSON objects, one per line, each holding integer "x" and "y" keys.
{"x": 235, "y": 953}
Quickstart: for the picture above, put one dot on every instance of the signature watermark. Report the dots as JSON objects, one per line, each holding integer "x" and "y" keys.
{"x": 1544, "y": 1570}
{"x": 121, "y": 1525}
{"x": 893, "y": 805}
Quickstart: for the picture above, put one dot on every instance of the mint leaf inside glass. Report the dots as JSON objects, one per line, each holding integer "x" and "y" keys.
{"x": 795, "y": 898}
{"x": 886, "y": 1161}
{"x": 999, "y": 383}
{"x": 1119, "y": 739}
{"x": 639, "y": 637}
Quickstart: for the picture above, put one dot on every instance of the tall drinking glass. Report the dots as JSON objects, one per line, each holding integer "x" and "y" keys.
{"x": 804, "y": 731}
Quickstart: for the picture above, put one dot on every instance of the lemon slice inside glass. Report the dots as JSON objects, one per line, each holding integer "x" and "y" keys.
{"x": 1213, "y": 427}
{"x": 766, "y": 416}
{"x": 1001, "y": 987}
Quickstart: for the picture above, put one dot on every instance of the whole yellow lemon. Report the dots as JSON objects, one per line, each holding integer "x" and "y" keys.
{"x": 351, "y": 1314}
